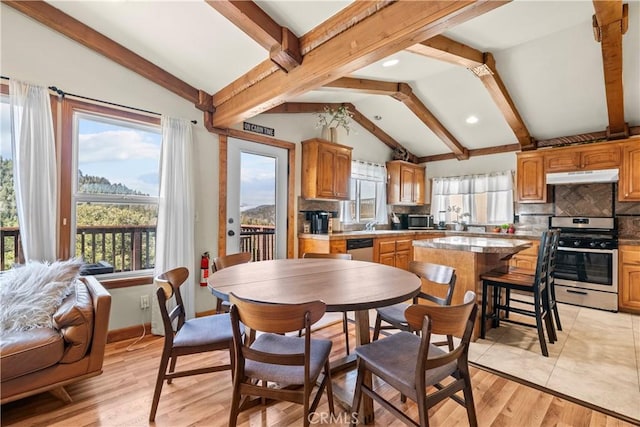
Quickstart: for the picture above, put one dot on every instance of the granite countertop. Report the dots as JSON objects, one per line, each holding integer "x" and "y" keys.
{"x": 525, "y": 234}
{"x": 492, "y": 245}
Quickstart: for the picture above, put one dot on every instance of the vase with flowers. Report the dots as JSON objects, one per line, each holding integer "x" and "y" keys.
{"x": 459, "y": 224}
{"x": 333, "y": 118}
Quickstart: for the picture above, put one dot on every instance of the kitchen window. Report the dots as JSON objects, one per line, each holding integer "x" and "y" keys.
{"x": 368, "y": 194}
{"x": 487, "y": 198}
{"x": 114, "y": 187}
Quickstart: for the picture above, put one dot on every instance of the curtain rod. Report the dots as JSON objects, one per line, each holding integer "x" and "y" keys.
{"x": 62, "y": 93}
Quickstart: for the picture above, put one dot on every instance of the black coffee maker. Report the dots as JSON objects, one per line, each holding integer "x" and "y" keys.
{"x": 319, "y": 221}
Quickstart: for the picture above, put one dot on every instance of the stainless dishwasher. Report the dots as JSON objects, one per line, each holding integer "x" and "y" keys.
{"x": 360, "y": 249}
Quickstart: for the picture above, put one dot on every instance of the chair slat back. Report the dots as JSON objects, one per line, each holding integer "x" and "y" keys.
{"x": 542, "y": 262}
{"x": 225, "y": 261}
{"x": 168, "y": 284}
{"x": 445, "y": 320}
{"x": 437, "y": 274}
{"x": 553, "y": 251}
{"x": 277, "y": 318}
{"x": 327, "y": 256}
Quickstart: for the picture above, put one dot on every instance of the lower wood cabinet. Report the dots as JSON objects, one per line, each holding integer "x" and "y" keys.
{"x": 395, "y": 252}
{"x": 629, "y": 279}
{"x": 321, "y": 246}
{"x": 526, "y": 259}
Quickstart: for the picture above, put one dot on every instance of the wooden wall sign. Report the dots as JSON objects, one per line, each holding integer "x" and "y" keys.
{"x": 258, "y": 129}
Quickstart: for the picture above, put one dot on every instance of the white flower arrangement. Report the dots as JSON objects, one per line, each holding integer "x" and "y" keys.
{"x": 340, "y": 117}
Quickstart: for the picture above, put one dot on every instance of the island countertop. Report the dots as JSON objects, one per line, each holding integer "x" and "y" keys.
{"x": 486, "y": 245}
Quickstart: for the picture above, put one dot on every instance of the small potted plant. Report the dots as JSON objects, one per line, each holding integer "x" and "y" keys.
{"x": 331, "y": 119}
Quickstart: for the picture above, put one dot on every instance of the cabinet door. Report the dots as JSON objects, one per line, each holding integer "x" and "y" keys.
{"x": 419, "y": 193}
{"x": 402, "y": 259}
{"x": 342, "y": 174}
{"x": 562, "y": 162}
{"x": 531, "y": 181}
{"x": 629, "y": 185}
{"x": 629, "y": 293}
{"x": 600, "y": 157}
{"x": 338, "y": 246}
{"x": 407, "y": 179}
{"x": 326, "y": 180}
{"x": 388, "y": 259}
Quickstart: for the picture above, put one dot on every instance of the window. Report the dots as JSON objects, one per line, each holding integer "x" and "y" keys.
{"x": 115, "y": 178}
{"x": 368, "y": 194}
{"x": 8, "y": 213}
{"x": 477, "y": 199}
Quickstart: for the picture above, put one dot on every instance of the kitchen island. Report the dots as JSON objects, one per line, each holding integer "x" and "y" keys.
{"x": 471, "y": 257}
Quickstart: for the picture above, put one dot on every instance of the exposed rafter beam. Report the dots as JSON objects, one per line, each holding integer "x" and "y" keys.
{"x": 403, "y": 93}
{"x": 408, "y": 98}
{"x": 389, "y": 30}
{"x": 610, "y": 23}
{"x": 483, "y": 65}
{"x": 81, "y": 33}
{"x": 447, "y": 50}
{"x": 283, "y": 46}
{"x": 472, "y": 153}
{"x": 358, "y": 117}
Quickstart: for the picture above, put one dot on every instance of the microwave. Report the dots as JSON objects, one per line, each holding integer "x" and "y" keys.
{"x": 419, "y": 222}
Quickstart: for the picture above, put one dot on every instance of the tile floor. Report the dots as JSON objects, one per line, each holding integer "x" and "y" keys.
{"x": 596, "y": 358}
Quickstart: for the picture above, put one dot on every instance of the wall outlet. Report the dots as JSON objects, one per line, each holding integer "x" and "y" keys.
{"x": 144, "y": 302}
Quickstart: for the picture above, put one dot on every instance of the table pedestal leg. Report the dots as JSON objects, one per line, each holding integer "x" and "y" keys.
{"x": 363, "y": 336}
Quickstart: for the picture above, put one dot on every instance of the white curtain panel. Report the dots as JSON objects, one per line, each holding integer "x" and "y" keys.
{"x": 34, "y": 169}
{"x": 497, "y": 186}
{"x": 176, "y": 214}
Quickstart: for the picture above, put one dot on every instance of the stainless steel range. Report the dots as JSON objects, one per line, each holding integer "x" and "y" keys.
{"x": 587, "y": 262}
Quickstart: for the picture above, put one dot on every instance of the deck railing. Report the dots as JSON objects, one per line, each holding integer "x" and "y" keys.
{"x": 130, "y": 248}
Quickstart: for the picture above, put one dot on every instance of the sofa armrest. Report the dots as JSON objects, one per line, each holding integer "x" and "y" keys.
{"x": 102, "y": 306}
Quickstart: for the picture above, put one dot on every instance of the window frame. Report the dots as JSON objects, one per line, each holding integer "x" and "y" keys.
{"x": 68, "y": 167}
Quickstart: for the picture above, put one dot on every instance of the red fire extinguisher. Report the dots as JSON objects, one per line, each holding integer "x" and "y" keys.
{"x": 204, "y": 269}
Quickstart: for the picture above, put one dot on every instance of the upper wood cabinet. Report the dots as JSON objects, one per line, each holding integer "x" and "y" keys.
{"x": 570, "y": 159}
{"x": 405, "y": 183}
{"x": 629, "y": 184}
{"x": 531, "y": 184}
{"x": 326, "y": 170}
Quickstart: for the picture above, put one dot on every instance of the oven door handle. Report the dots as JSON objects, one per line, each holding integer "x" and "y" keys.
{"x": 571, "y": 291}
{"x": 598, "y": 251}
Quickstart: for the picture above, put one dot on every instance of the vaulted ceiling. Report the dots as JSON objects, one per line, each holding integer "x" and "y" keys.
{"x": 533, "y": 73}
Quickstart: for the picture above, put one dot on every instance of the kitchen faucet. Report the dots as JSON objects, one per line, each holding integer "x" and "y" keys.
{"x": 370, "y": 226}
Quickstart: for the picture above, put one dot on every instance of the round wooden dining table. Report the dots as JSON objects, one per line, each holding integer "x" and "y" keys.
{"x": 343, "y": 285}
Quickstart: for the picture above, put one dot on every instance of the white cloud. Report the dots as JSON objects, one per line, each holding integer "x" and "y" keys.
{"x": 117, "y": 145}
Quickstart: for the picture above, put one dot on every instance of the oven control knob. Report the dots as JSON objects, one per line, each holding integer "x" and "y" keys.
{"x": 603, "y": 244}
{"x": 593, "y": 244}
{"x": 561, "y": 243}
{"x": 576, "y": 243}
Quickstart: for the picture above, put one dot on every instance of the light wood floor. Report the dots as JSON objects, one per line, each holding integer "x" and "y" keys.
{"x": 121, "y": 396}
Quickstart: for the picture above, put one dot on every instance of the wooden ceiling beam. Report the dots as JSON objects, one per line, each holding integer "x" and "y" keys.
{"x": 472, "y": 153}
{"x": 483, "y": 65}
{"x": 253, "y": 76}
{"x": 87, "y": 36}
{"x": 408, "y": 98}
{"x": 610, "y": 22}
{"x": 283, "y": 46}
{"x": 358, "y": 117}
{"x": 372, "y": 87}
{"x": 445, "y": 49}
{"x": 392, "y": 28}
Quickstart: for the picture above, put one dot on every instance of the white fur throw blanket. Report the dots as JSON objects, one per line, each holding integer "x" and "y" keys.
{"x": 30, "y": 295}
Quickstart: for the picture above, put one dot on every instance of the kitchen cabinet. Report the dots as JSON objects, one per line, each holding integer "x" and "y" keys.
{"x": 526, "y": 259}
{"x": 629, "y": 184}
{"x": 326, "y": 170}
{"x": 531, "y": 184}
{"x": 405, "y": 183}
{"x": 395, "y": 252}
{"x": 629, "y": 279}
{"x": 571, "y": 159}
{"x": 326, "y": 246}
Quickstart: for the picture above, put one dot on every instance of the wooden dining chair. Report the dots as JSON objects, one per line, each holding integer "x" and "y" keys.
{"x": 425, "y": 373}
{"x": 225, "y": 261}
{"x": 536, "y": 285}
{"x": 433, "y": 273}
{"x": 271, "y": 366}
{"x": 198, "y": 335}
{"x": 345, "y": 320}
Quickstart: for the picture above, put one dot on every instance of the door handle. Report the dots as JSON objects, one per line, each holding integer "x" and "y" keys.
{"x": 576, "y": 292}
{"x": 231, "y": 233}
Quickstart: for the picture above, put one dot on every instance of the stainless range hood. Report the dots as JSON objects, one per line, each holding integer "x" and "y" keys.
{"x": 583, "y": 177}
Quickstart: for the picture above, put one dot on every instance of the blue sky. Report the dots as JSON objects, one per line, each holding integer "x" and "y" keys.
{"x": 258, "y": 179}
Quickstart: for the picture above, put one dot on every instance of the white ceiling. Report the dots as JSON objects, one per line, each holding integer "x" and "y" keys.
{"x": 544, "y": 50}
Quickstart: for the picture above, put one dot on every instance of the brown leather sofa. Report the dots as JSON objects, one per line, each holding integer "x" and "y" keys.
{"x": 47, "y": 359}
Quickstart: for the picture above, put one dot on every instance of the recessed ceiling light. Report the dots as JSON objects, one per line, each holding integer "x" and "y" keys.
{"x": 471, "y": 120}
{"x": 390, "y": 63}
{"x": 377, "y": 117}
